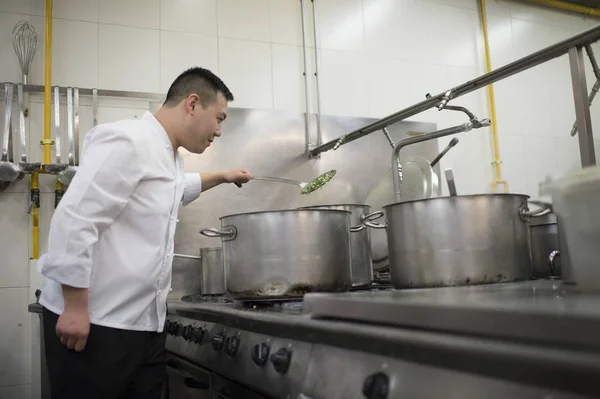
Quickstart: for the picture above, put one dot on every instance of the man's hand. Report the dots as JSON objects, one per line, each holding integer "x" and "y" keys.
{"x": 73, "y": 325}
{"x": 73, "y": 328}
{"x": 239, "y": 175}
{"x": 213, "y": 179}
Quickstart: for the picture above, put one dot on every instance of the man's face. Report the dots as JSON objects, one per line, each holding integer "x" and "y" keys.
{"x": 204, "y": 124}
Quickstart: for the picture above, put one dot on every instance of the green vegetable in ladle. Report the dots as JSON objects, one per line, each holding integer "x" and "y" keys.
{"x": 318, "y": 182}
{"x": 307, "y": 188}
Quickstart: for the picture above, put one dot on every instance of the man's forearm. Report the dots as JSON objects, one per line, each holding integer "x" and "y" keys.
{"x": 75, "y": 298}
{"x": 211, "y": 179}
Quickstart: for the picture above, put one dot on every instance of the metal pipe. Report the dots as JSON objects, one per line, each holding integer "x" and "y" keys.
{"x": 593, "y": 93}
{"x": 451, "y": 144}
{"x": 319, "y": 131}
{"x": 388, "y": 137}
{"x": 515, "y": 67}
{"x": 100, "y": 92}
{"x": 582, "y": 108}
{"x": 569, "y": 7}
{"x": 397, "y": 165}
{"x": 307, "y": 145}
{"x": 590, "y": 53}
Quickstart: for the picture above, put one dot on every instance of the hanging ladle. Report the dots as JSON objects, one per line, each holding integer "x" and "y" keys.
{"x": 8, "y": 171}
{"x": 11, "y": 156}
{"x": 26, "y": 167}
{"x": 307, "y": 187}
{"x": 55, "y": 169}
{"x": 66, "y": 176}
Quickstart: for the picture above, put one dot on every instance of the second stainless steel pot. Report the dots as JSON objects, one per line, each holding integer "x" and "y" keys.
{"x": 201, "y": 274}
{"x": 282, "y": 254}
{"x": 360, "y": 240}
{"x": 543, "y": 234}
{"x": 458, "y": 240}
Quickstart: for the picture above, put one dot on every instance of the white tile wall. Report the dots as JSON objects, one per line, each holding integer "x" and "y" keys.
{"x": 137, "y": 13}
{"x": 14, "y": 240}
{"x": 245, "y": 67}
{"x": 75, "y": 53}
{"x": 14, "y": 337}
{"x": 248, "y": 20}
{"x": 199, "y": 16}
{"x": 375, "y": 58}
{"x": 27, "y": 7}
{"x": 180, "y": 51}
{"x": 340, "y": 24}
{"x": 128, "y": 58}
{"x": 79, "y": 10}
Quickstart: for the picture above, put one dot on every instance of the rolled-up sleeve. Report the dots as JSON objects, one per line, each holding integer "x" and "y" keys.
{"x": 192, "y": 187}
{"x": 105, "y": 180}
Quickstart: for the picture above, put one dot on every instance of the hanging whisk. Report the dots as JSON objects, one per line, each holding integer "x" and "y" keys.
{"x": 24, "y": 41}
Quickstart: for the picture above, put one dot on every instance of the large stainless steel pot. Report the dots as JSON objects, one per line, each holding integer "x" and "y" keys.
{"x": 458, "y": 240}
{"x": 286, "y": 253}
{"x": 201, "y": 274}
{"x": 543, "y": 239}
{"x": 360, "y": 239}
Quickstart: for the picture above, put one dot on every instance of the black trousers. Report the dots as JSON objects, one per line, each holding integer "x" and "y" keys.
{"x": 115, "y": 364}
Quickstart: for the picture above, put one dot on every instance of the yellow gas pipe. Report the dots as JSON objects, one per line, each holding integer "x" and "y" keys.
{"x": 488, "y": 62}
{"x": 569, "y": 7}
{"x": 47, "y": 141}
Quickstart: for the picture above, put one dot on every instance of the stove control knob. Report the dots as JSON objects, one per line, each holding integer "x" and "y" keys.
{"x": 186, "y": 333}
{"x": 260, "y": 354}
{"x": 281, "y": 360}
{"x": 197, "y": 335}
{"x": 376, "y": 386}
{"x": 178, "y": 330}
{"x": 217, "y": 341}
{"x": 232, "y": 344}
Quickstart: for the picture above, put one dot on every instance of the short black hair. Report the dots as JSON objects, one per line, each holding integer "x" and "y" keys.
{"x": 200, "y": 81}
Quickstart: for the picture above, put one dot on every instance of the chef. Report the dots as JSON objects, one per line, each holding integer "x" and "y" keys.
{"x": 108, "y": 265}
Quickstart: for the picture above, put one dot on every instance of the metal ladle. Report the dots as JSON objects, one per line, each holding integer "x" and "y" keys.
{"x": 8, "y": 171}
{"x": 11, "y": 156}
{"x": 26, "y": 167}
{"x": 66, "y": 176}
{"x": 307, "y": 187}
{"x": 55, "y": 169}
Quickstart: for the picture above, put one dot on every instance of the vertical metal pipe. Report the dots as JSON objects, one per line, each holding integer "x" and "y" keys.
{"x": 386, "y": 133}
{"x": 582, "y": 108}
{"x": 319, "y": 132}
{"x": 307, "y": 145}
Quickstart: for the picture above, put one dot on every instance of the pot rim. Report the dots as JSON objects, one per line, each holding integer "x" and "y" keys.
{"x": 284, "y": 211}
{"x": 459, "y": 196}
{"x": 341, "y": 204}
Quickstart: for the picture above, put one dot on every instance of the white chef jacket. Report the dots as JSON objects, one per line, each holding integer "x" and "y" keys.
{"x": 113, "y": 231}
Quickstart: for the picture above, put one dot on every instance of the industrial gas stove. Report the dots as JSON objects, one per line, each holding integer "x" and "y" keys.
{"x": 536, "y": 339}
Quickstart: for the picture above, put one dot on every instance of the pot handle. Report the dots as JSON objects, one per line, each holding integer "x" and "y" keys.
{"x": 367, "y": 220}
{"x": 356, "y": 229}
{"x": 551, "y": 261}
{"x": 545, "y": 208}
{"x": 227, "y": 233}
